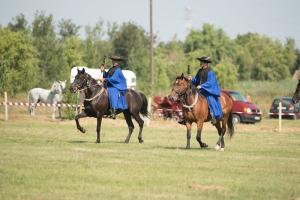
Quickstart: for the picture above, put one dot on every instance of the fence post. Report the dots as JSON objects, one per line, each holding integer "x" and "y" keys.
{"x": 5, "y": 105}
{"x": 149, "y": 111}
{"x": 279, "y": 116}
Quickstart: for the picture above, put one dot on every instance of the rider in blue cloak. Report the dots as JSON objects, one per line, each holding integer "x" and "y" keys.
{"x": 116, "y": 86}
{"x": 207, "y": 83}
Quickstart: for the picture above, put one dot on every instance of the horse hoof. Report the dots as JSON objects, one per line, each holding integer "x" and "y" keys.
{"x": 188, "y": 147}
{"x": 126, "y": 141}
{"x": 97, "y": 141}
{"x": 222, "y": 149}
{"x": 217, "y": 147}
{"x": 203, "y": 145}
{"x": 141, "y": 141}
{"x": 82, "y": 130}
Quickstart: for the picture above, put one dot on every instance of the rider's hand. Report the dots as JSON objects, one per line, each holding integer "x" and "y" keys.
{"x": 101, "y": 79}
{"x": 199, "y": 87}
{"x": 102, "y": 68}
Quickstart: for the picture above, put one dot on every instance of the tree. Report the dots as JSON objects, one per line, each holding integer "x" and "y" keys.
{"x": 131, "y": 42}
{"x": 49, "y": 54}
{"x": 67, "y": 28}
{"x": 211, "y": 42}
{"x": 18, "y": 62}
{"x": 19, "y": 23}
{"x": 72, "y": 54}
{"x": 94, "y": 46}
{"x": 270, "y": 59}
{"x": 227, "y": 74}
{"x": 170, "y": 61}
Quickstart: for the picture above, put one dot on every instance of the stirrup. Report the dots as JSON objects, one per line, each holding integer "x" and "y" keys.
{"x": 112, "y": 114}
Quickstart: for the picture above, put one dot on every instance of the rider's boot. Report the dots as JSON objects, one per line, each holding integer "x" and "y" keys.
{"x": 213, "y": 121}
{"x": 113, "y": 113}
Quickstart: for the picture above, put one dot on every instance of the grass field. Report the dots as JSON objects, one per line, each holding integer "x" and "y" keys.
{"x": 45, "y": 159}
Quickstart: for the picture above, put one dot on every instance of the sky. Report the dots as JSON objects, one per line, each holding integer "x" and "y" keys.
{"x": 279, "y": 19}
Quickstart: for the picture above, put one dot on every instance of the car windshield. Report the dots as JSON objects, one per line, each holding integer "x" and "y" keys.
{"x": 285, "y": 101}
{"x": 238, "y": 97}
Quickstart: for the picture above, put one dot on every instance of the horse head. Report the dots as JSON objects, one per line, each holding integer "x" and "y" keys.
{"x": 63, "y": 85}
{"x": 81, "y": 81}
{"x": 179, "y": 88}
{"x": 56, "y": 88}
{"x": 296, "y": 96}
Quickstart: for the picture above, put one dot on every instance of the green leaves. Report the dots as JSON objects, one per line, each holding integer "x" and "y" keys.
{"x": 18, "y": 62}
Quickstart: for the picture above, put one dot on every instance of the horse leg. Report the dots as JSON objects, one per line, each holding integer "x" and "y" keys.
{"x": 220, "y": 145}
{"x": 59, "y": 112}
{"x": 130, "y": 125}
{"x": 140, "y": 121}
{"x": 32, "y": 106}
{"x": 223, "y": 133}
{"x": 77, "y": 117}
{"x": 99, "y": 120}
{"x": 188, "y": 135}
{"x": 198, "y": 137}
{"x": 53, "y": 111}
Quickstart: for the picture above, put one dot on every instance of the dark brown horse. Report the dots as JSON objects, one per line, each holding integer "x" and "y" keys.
{"x": 296, "y": 96}
{"x": 96, "y": 104}
{"x": 195, "y": 109}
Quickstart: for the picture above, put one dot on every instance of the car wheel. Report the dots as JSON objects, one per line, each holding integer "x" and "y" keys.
{"x": 236, "y": 119}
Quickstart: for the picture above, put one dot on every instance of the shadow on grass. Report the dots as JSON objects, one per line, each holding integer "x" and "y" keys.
{"x": 183, "y": 148}
{"x": 78, "y": 142}
{"x": 94, "y": 142}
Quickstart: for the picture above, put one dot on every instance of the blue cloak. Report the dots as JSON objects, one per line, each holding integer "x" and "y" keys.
{"x": 211, "y": 90}
{"x": 116, "y": 86}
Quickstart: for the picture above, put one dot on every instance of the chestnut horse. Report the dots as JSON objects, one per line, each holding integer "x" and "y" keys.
{"x": 296, "y": 96}
{"x": 195, "y": 109}
{"x": 96, "y": 104}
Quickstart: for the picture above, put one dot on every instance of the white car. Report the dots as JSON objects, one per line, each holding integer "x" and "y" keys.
{"x": 96, "y": 73}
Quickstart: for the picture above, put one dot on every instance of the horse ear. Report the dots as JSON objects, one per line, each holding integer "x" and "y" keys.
{"x": 83, "y": 70}
{"x": 182, "y": 76}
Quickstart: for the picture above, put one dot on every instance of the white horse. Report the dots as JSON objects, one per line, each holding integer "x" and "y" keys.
{"x": 53, "y": 96}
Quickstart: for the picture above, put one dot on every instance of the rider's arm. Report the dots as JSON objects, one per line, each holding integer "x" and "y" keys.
{"x": 196, "y": 80}
{"x": 115, "y": 78}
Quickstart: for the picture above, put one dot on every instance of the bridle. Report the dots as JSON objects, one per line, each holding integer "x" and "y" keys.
{"x": 87, "y": 82}
{"x": 88, "y": 85}
{"x": 182, "y": 96}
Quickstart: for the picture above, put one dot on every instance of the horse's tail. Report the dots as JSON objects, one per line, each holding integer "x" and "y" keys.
{"x": 144, "y": 109}
{"x": 230, "y": 124}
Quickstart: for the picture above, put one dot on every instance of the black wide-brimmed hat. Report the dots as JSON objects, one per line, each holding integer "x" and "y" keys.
{"x": 116, "y": 58}
{"x": 205, "y": 59}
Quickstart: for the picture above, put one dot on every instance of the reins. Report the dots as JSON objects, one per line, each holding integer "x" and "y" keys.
{"x": 184, "y": 100}
{"x": 98, "y": 94}
{"x": 87, "y": 87}
{"x": 193, "y": 104}
{"x": 90, "y": 86}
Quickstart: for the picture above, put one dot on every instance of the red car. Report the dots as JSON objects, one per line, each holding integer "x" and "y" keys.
{"x": 243, "y": 110}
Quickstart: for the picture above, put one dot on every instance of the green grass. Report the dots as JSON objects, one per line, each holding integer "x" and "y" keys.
{"x": 51, "y": 160}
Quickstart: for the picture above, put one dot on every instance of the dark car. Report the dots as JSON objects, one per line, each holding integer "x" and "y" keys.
{"x": 289, "y": 109}
{"x": 243, "y": 110}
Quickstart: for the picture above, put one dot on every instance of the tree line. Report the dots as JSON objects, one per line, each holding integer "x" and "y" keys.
{"x": 36, "y": 54}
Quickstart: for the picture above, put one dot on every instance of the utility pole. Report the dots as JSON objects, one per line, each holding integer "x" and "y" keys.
{"x": 151, "y": 47}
